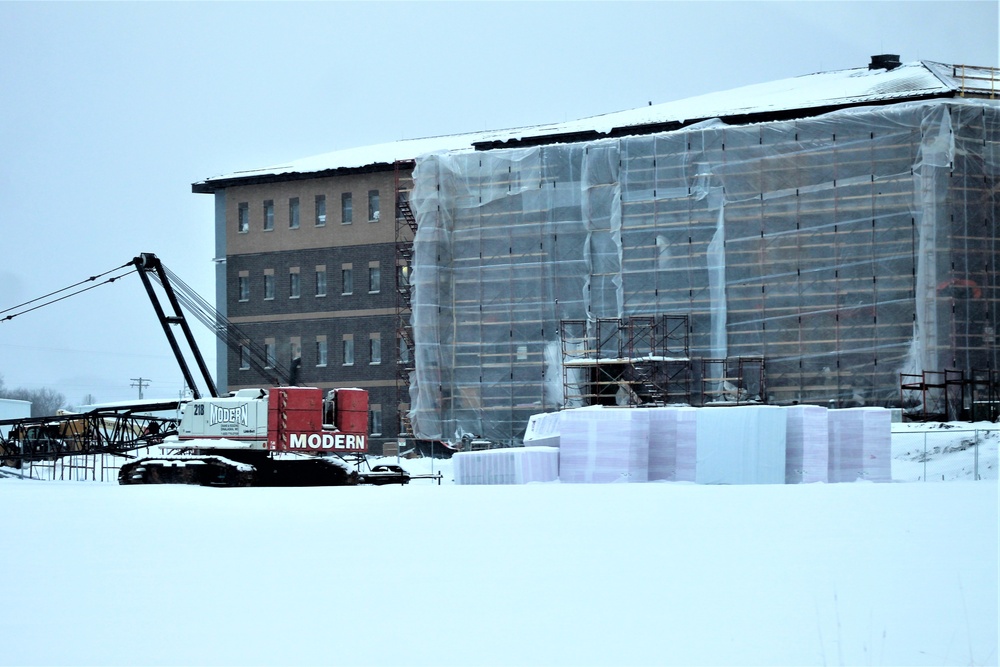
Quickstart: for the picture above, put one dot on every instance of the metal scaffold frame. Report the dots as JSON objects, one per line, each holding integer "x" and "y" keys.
{"x": 733, "y": 381}
{"x": 406, "y": 228}
{"x": 951, "y": 395}
{"x": 633, "y": 361}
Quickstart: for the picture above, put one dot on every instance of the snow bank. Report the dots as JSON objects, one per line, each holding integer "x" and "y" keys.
{"x": 543, "y": 574}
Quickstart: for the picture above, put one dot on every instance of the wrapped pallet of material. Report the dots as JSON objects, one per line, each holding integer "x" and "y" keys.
{"x": 600, "y": 445}
{"x": 672, "y": 439}
{"x": 860, "y": 445}
{"x": 741, "y": 445}
{"x": 543, "y": 430}
{"x": 807, "y": 444}
{"x": 516, "y": 465}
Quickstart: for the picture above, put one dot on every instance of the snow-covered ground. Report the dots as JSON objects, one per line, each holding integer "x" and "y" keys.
{"x": 945, "y": 451}
{"x": 554, "y": 574}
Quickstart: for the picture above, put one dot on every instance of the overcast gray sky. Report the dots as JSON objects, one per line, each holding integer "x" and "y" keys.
{"x": 109, "y": 111}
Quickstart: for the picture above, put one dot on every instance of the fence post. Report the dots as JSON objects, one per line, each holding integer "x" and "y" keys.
{"x": 925, "y": 456}
{"x": 975, "y": 465}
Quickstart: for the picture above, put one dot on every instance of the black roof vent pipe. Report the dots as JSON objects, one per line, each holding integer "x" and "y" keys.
{"x": 886, "y": 61}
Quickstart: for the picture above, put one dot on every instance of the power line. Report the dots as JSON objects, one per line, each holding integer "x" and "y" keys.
{"x": 66, "y": 296}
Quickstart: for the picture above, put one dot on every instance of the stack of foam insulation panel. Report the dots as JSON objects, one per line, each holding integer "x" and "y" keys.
{"x": 672, "y": 440}
{"x": 543, "y": 430}
{"x": 807, "y": 444}
{"x": 741, "y": 445}
{"x": 860, "y": 445}
{"x": 516, "y": 465}
{"x": 599, "y": 445}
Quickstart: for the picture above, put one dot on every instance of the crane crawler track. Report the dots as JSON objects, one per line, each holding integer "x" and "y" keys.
{"x": 197, "y": 470}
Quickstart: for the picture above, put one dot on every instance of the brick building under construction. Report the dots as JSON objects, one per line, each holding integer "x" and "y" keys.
{"x": 827, "y": 239}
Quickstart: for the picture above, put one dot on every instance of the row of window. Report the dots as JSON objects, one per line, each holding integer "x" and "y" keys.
{"x": 322, "y": 351}
{"x": 319, "y": 281}
{"x": 294, "y": 212}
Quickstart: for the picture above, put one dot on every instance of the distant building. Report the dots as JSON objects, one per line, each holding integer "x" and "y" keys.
{"x": 12, "y": 409}
{"x": 805, "y": 240}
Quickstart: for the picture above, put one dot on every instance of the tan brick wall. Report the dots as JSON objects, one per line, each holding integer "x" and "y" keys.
{"x": 334, "y": 233}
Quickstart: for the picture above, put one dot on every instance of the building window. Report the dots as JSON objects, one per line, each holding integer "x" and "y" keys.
{"x": 294, "y": 284}
{"x": 243, "y": 285}
{"x": 293, "y": 213}
{"x": 347, "y": 279}
{"x": 403, "y": 275}
{"x": 321, "y": 350}
{"x": 374, "y": 277}
{"x": 346, "y": 212}
{"x": 375, "y": 419}
{"x": 320, "y": 210}
{"x": 372, "y": 205}
{"x": 244, "y": 358}
{"x": 269, "y": 356}
{"x": 404, "y": 350}
{"x": 268, "y": 284}
{"x": 243, "y": 218}
{"x": 348, "y": 350}
{"x": 320, "y": 281}
{"x": 375, "y": 348}
{"x": 268, "y": 215}
{"x": 295, "y": 345}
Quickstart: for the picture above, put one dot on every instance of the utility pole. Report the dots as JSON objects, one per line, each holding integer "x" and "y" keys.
{"x": 140, "y": 382}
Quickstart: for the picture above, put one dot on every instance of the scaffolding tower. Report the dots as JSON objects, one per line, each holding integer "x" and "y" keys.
{"x": 406, "y": 228}
{"x": 633, "y": 361}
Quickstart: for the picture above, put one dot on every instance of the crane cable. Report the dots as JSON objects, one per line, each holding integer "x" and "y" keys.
{"x": 224, "y": 328}
{"x": 65, "y": 296}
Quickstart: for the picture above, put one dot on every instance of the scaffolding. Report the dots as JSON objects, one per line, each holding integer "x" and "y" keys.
{"x": 843, "y": 249}
{"x": 733, "y": 381}
{"x": 950, "y": 395}
{"x": 638, "y": 361}
{"x": 406, "y": 228}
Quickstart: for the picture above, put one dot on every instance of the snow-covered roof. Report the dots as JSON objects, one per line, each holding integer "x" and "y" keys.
{"x": 812, "y": 93}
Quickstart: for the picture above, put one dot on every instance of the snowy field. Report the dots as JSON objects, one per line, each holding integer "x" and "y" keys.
{"x": 551, "y": 574}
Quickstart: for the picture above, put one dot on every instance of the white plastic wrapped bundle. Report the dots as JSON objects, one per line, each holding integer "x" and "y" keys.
{"x": 807, "y": 444}
{"x": 672, "y": 439}
{"x": 860, "y": 444}
{"x": 604, "y": 445}
{"x": 741, "y": 445}
{"x": 516, "y": 465}
{"x": 543, "y": 430}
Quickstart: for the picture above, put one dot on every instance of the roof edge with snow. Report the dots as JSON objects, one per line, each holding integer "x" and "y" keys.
{"x": 784, "y": 99}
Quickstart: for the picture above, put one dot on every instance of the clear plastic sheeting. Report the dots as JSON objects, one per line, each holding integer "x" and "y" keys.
{"x": 600, "y": 445}
{"x": 842, "y": 249}
{"x": 741, "y": 445}
{"x": 807, "y": 444}
{"x": 543, "y": 430}
{"x": 671, "y": 430}
{"x": 515, "y": 465}
{"x": 860, "y": 445}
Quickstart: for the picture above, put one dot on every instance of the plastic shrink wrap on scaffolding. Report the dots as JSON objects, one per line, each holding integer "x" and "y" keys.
{"x": 843, "y": 249}
{"x": 741, "y": 445}
{"x": 860, "y": 445}
{"x": 672, "y": 436}
{"x": 598, "y": 445}
{"x": 807, "y": 444}
{"x": 514, "y": 465}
